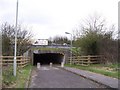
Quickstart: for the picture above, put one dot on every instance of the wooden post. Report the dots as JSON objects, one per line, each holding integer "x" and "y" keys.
{"x": 88, "y": 59}
{"x": 25, "y": 61}
{"x": 21, "y": 62}
{"x": 78, "y": 60}
{"x": 82, "y": 61}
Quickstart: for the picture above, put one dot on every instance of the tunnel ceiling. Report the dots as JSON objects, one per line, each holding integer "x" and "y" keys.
{"x": 46, "y": 58}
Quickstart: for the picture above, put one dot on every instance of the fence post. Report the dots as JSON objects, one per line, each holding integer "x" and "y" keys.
{"x": 100, "y": 59}
{"x": 25, "y": 61}
{"x": 82, "y": 61}
{"x": 69, "y": 60}
{"x": 21, "y": 62}
{"x": 88, "y": 59}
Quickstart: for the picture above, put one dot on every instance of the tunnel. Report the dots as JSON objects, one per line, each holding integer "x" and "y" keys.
{"x": 47, "y": 58}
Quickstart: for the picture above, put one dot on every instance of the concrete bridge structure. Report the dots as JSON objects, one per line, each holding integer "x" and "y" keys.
{"x": 55, "y": 54}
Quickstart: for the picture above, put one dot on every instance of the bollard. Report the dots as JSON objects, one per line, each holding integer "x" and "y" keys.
{"x": 62, "y": 64}
{"x": 38, "y": 65}
{"x": 50, "y": 64}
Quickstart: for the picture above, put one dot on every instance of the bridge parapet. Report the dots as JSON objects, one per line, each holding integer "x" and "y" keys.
{"x": 65, "y": 51}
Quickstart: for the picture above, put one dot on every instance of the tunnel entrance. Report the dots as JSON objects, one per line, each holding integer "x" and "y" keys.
{"x": 46, "y": 58}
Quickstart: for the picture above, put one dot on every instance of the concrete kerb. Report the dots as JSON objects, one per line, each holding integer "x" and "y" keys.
{"x": 28, "y": 79}
{"x": 88, "y": 78}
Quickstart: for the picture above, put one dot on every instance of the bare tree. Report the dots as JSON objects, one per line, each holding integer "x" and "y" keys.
{"x": 8, "y": 35}
{"x": 95, "y": 37}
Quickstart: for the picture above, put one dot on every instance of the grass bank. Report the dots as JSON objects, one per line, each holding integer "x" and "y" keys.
{"x": 108, "y": 70}
{"x": 9, "y": 81}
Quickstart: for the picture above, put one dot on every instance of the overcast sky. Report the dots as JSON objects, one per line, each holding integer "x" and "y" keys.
{"x": 48, "y": 18}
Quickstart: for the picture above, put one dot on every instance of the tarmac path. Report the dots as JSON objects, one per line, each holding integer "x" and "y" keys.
{"x": 52, "y": 77}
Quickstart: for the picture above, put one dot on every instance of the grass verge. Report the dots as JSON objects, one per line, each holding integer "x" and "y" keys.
{"x": 108, "y": 70}
{"x": 9, "y": 81}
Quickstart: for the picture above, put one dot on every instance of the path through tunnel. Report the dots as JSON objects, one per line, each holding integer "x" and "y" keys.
{"x": 46, "y": 58}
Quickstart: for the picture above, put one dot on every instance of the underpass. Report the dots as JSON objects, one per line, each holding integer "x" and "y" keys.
{"x": 48, "y": 54}
{"x": 47, "y": 58}
{"x": 47, "y": 76}
{"x": 53, "y": 77}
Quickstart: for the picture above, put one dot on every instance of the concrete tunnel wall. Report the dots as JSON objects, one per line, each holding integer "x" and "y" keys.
{"x": 46, "y": 58}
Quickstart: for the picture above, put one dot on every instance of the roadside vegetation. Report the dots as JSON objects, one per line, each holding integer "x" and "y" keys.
{"x": 24, "y": 39}
{"x": 22, "y": 77}
{"x": 107, "y": 70}
{"x": 95, "y": 37}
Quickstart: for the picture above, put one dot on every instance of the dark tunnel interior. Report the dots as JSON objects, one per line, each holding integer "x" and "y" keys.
{"x": 46, "y": 58}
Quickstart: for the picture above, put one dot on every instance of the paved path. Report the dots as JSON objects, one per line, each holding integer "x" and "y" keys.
{"x": 105, "y": 80}
{"x": 46, "y": 77}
